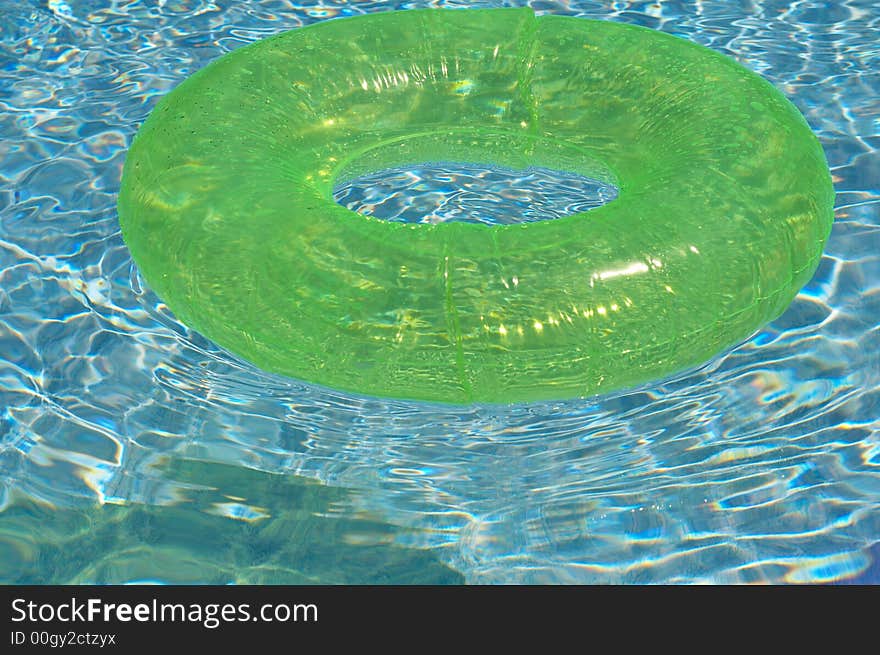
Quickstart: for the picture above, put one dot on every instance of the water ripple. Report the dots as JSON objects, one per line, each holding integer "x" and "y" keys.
{"x": 440, "y": 192}
{"x": 762, "y": 466}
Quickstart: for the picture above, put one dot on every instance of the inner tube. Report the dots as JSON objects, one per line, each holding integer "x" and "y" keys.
{"x": 725, "y": 202}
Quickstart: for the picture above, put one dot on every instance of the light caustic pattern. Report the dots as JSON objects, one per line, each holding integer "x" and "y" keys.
{"x": 436, "y": 192}
{"x": 763, "y": 466}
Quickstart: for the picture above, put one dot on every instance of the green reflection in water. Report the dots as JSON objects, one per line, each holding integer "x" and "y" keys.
{"x": 228, "y": 525}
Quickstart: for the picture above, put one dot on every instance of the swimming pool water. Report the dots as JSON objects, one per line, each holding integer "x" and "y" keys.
{"x": 439, "y": 192}
{"x": 132, "y": 449}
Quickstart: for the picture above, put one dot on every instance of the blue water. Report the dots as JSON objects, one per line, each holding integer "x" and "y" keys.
{"x": 132, "y": 449}
{"x": 439, "y": 192}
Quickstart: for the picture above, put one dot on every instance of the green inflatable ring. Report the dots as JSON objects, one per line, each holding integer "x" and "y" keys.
{"x": 725, "y": 202}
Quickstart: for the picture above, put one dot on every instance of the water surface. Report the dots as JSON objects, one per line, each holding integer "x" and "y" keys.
{"x": 130, "y": 447}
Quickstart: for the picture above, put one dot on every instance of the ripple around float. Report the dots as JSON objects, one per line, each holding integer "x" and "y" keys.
{"x": 763, "y": 465}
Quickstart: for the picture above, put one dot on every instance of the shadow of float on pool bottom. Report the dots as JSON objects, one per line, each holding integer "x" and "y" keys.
{"x": 234, "y": 525}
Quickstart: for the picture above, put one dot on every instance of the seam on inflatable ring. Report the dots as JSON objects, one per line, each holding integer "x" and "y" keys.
{"x": 452, "y": 327}
{"x": 528, "y": 47}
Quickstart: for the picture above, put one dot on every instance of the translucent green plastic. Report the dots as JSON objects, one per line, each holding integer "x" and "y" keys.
{"x": 724, "y": 206}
